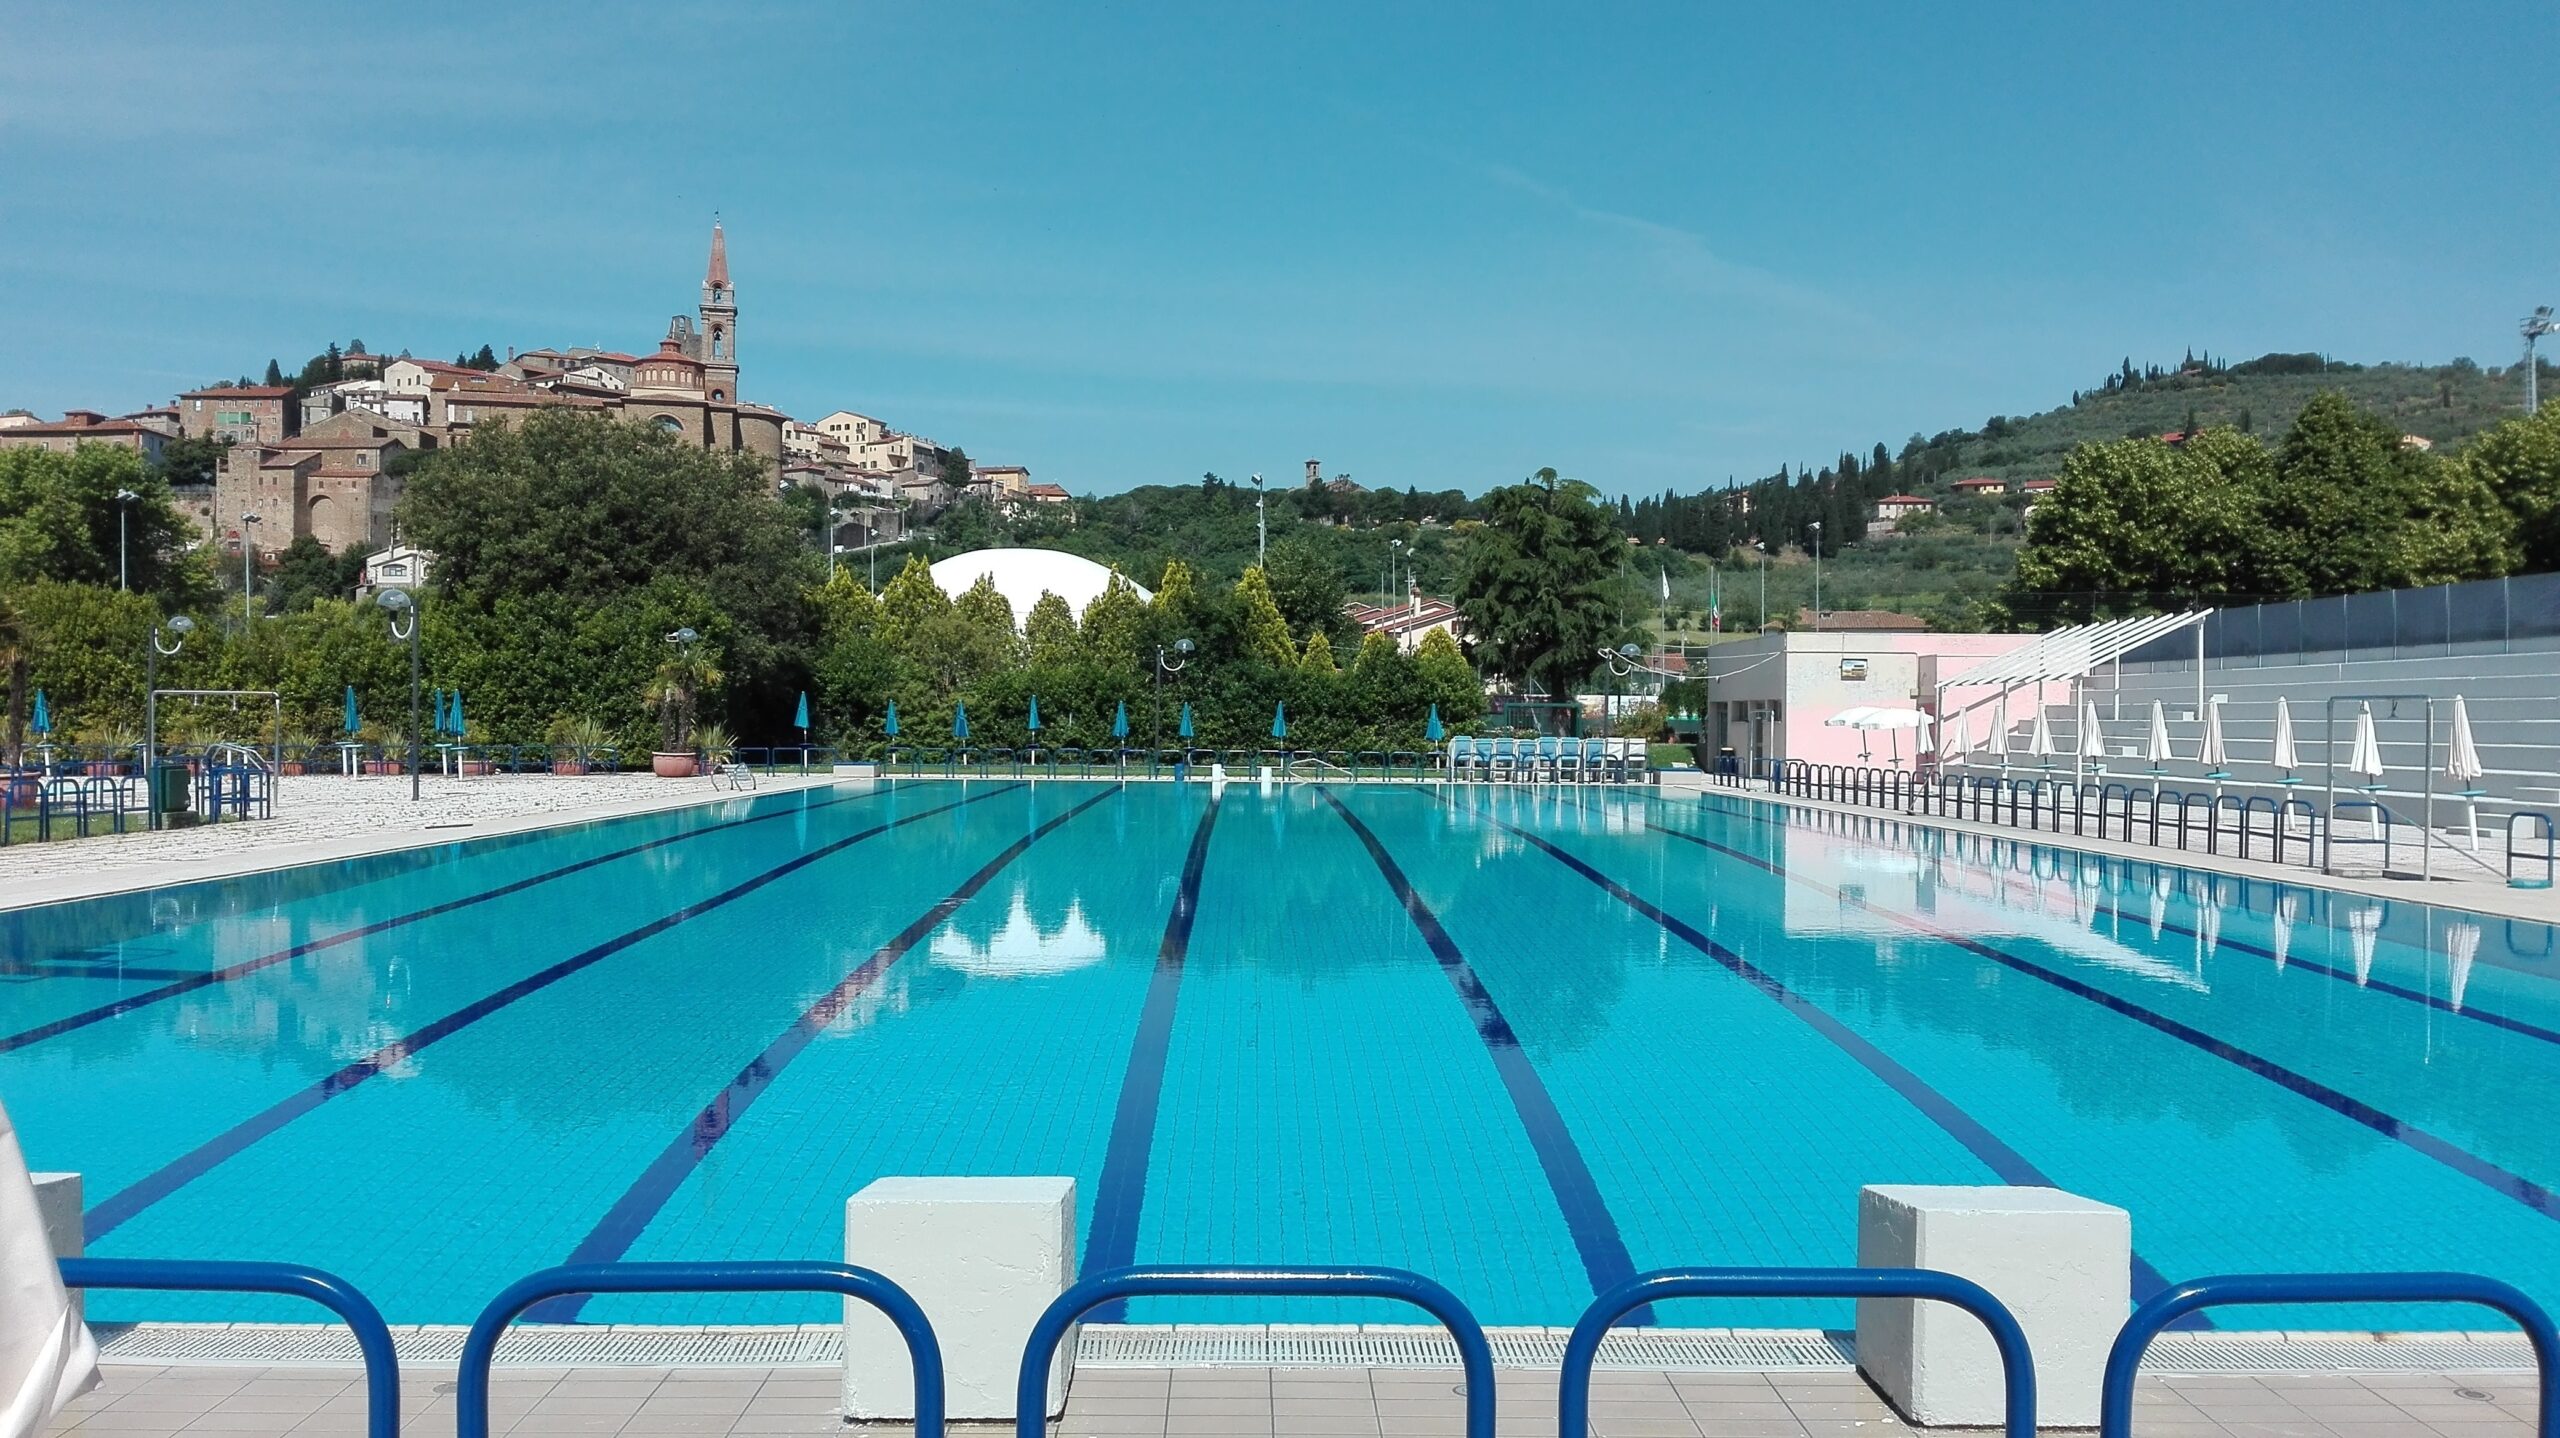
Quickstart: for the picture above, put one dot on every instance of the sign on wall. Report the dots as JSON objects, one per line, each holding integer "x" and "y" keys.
{"x": 1853, "y": 668}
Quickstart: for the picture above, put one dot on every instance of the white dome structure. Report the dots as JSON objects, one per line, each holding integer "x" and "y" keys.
{"x": 1022, "y": 575}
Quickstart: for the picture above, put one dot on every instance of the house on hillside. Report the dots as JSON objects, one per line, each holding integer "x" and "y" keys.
{"x": 1897, "y": 506}
{"x": 1981, "y": 486}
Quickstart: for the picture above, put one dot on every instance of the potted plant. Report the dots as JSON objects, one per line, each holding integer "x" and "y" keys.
{"x": 713, "y": 743}
{"x": 675, "y": 689}
{"x": 387, "y": 751}
{"x": 572, "y": 740}
{"x": 115, "y": 747}
{"x": 296, "y": 758}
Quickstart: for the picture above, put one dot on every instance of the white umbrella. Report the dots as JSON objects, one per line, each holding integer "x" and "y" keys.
{"x": 2093, "y": 741}
{"x": 2364, "y": 926}
{"x": 2287, "y": 905}
{"x": 1957, "y": 741}
{"x": 2365, "y": 757}
{"x": 2215, "y": 761}
{"x": 2157, "y": 750}
{"x": 46, "y": 1355}
{"x": 2462, "y": 945}
{"x": 2040, "y": 741}
{"x": 2000, "y": 736}
{"x": 2285, "y": 758}
{"x": 2462, "y": 765}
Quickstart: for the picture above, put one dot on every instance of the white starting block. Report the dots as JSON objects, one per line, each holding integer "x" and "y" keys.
{"x": 984, "y": 1257}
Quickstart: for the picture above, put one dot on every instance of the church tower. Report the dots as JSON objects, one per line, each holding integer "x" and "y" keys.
{"x": 718, "y": 335}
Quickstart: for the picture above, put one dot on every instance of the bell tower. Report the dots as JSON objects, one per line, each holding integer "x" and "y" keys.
{"x": 717, "y": 337}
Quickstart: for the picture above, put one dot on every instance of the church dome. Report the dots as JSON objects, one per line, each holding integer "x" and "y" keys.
{"x": 1023, "y": 575}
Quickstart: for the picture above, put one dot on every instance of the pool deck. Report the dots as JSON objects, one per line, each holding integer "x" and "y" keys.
{"x": 138, "y": 1402}
{"x": 2458, "y": 882}
{"x": 323, "y": 818}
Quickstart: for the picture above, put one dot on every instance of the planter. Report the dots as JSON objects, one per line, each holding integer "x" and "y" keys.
{"x": 474, "y": 768}
{"x": 385, "y": 766}
{"x": 292, "y": 768}
{"x": 569, "y": 766}
{"x": 674, "y": 766}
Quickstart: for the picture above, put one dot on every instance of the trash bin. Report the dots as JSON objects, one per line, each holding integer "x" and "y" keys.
{"x": 171, "y": 790}
{"x": 1727, "y": 762}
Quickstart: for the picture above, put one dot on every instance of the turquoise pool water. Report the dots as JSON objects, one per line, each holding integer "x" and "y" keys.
{"x": 1525, "y": 1042}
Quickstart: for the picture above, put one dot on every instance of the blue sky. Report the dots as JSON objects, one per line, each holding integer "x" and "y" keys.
{"x": 1429, "y": 244}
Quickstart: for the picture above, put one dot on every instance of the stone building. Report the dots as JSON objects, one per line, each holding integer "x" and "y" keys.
{"x": 241, "y": 414}
{"x": 332, "y": 482}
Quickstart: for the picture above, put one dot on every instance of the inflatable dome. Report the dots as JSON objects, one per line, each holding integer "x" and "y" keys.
{"x": 1021, "y": 575}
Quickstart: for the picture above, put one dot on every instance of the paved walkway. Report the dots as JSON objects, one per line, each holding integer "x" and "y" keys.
{"x": 323, "y": 817}
{"x": 1267, "y": 1403}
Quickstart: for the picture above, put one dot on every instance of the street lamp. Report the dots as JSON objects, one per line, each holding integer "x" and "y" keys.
{"x": 124, "y": 513}
{"x": 1624, "y": 660}
{"x": 1261, "y": 532}
{"x": 1816, "y": 527}
{"x": 1395, "y": 547}
{"x": 1164, "y": 667}
{"x": 248, "y": 557}
{"x": 404, "y": 627}
{"x": 179, "y": 628}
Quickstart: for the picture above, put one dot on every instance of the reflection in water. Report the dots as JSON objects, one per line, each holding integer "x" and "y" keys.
{"x": 1021, "y": 945}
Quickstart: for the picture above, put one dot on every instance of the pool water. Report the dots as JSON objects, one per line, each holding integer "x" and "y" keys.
{"x": 1526, "y": 1042}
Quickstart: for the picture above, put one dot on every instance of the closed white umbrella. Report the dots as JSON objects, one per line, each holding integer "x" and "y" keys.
{"x": 2040, "y": 740}
{"x": 2462, "y": 946}
{"x": 2462, "y": 765}
{"x": 2093, "y": 741}
{"x": 2000, "y": 736}
{"x": 2364, "y": 927}
{"x": 46, "y": 1355}
{"x": 2217, "y": 764}
{"x": 1957, "y": 741}
{"x": 2287, "y": 906}
{"x": 2285, "y": 757}
{"x": 2157, "y": 749}
{"x": 2364, "y": 757}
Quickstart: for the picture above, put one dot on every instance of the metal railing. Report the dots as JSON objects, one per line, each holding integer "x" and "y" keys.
{"x": 480, "y": 1349}
{"x": 373, "y": 1336}
{"x": 2017, "y": 1364}
{"x": 2124, "y": 1359}
{"x": 1475, "y": 1355}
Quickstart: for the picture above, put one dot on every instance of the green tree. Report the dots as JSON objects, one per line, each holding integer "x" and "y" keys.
{"x": 2351, "y": 508}
{"x": 2519, "y": 461}
{"x": 984, "y": 605}
{"x": 1306, "y": 585}
{"x": 193, "y": 462}
{"x": 1049, "y": 631}
{"x": 59, "y": 516}
{"x": 1445, "y": 678}
{"x": 954, "y": 468}
{"x": 909, "y": 602}
{"x": 1112, "y": 626}
{"x": 306, "y": 572}
{"x": 1266, "y": 632}
{"x": 1318, "y": 658}
{"x": 275, "y": 373}
{"x": 2134, "y": 525}
{"x": 1535, "y": 581}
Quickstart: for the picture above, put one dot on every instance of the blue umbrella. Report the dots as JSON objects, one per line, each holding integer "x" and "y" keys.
{"x": 1432, "y": 731}
{"x": 1280, "y": 720}
{"x": 1120, "y": 721}
{"x": 890, "y": 726}
{"x": 1185, "y": 730}
{"x": 959, "y": 721}
{"x": 43, "y": 718}
{"x": 458, "y": 729}
{"x": 801, "y": 721}
{"x": 1035, "y": 714}
{"x": 437, "y": 696}
{"x": 351, "y": 709}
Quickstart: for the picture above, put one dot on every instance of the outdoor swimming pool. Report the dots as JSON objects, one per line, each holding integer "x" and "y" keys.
{"x": 1523, "y": 1041}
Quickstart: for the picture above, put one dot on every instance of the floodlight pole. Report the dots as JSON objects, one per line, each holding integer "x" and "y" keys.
{"x": 1261, "y": 531}
{"x": 248, "y": 582}
{"x": 1163, "y": 668}
{"x": 403, "y": 610}
{"x": 180, "y": 626}
{"x": 124, "y": 516}
{"x": 1816, "y": 527}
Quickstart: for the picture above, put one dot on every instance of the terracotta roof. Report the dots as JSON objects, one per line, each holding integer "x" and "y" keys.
{"x": 1906, "y": 499}
{"x": 1047, "y": 491}
{"x": 2040, "y": 486}
{"x": 1982, "y": 481}
{"x": 235, "y": 391}
{"x": 104, "y": 426}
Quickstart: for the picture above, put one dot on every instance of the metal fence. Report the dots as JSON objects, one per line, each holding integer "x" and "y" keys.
{"x": 2486, "y": 616}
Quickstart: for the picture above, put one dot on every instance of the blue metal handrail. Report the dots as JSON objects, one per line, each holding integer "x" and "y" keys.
{"x": 2115, "y": 1393}
{"x": 373, "y": 1336}
{"x": 1475, "y": 1355}
{"x": 2017, "y": 1364}
{"x": 481, "y": 1348}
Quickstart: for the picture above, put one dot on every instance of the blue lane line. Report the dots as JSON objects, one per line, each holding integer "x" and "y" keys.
{"x": 640, "y": 1204}
{"x": 118, "y": 1208}
{"x": 1577, "y": 1194}
{"x": 1112, "y": 1241}
{"x": 2470, "y": 1165}
{"x": 1996, "y": 1155}
{"x": 57, "y": 1027}
{"x": 31, "y": 972}
{"x": 2473, "y": 1012}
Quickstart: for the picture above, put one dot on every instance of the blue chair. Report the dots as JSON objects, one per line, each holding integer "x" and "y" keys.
{"x": 1569, "y": 760}
{"x": 1462, "y": 756}
{"x": 1543, "y": 763}
{"x": 1506, "y": 759}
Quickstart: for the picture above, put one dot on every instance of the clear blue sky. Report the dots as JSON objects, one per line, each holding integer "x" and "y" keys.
{"x": 1430, "y": 244}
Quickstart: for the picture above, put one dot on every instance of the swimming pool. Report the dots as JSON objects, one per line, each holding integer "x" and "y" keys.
{"x": 1523, "y": 1041}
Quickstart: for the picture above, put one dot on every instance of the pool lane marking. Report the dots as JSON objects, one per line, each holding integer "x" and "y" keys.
{"x": 1577, "y": 1193}
{"x": 2474, "y": 1012}
{"x": 2013, "y": 1167}
{"x": 119, "y": 1208}
{"x": 1121, "y": 1197}
{"x": 57, "y": 1027}
{"x": 631, "y": 1214}
{"x": 2470, "y": 1165}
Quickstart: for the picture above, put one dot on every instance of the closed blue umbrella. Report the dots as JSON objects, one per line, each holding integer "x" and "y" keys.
{"x": 1035, "y": 714}
{"x": 1120, "y": 721}
{"x": 1280, "y": 720}
{"x": 351, "y": 709}
{"x": 1185, "y": 730}
{"x": 436, "y": 696}
{"x": 1433, "y": 730}
{"x": 459, "y": 729}
{"x": 43, "y": 717}
{"x": 890, "y": 725}
{"x": 801, "y": 721}
{"x": 959, "y": 721}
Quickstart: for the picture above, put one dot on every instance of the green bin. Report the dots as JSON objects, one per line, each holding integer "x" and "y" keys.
{"x": 171, "y": 793}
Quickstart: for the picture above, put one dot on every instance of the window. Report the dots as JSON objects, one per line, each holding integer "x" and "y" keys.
{"x": 670, "y": 424}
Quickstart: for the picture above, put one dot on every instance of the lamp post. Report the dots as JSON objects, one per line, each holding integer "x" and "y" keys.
{"x": 1624, "y": 660}
{"x": 1816, "y": 527}
{"x": 124, "y": 516}
{"x": 1387, "y": 595}
{"x": 179, "y": 627}
{"x": 404, "y": 627}
{"x": 683, "y": 639}
{"x": 1164, "y": 667}
{"x": 1261, "y": 533}
{"x": 248, "y": 557}
{"x": 1762, "y": 545}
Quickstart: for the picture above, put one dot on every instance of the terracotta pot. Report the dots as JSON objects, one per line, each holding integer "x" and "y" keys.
{"x": 474, "y": 767}
{"x": 674, "y": 766}
{"x": 385, "y": 766}
{"x": 291, "y": 767}
{"x": 568, "y": 766}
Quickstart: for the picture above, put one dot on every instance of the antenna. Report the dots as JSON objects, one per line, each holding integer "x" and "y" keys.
{"x": 2535, "y": 326}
